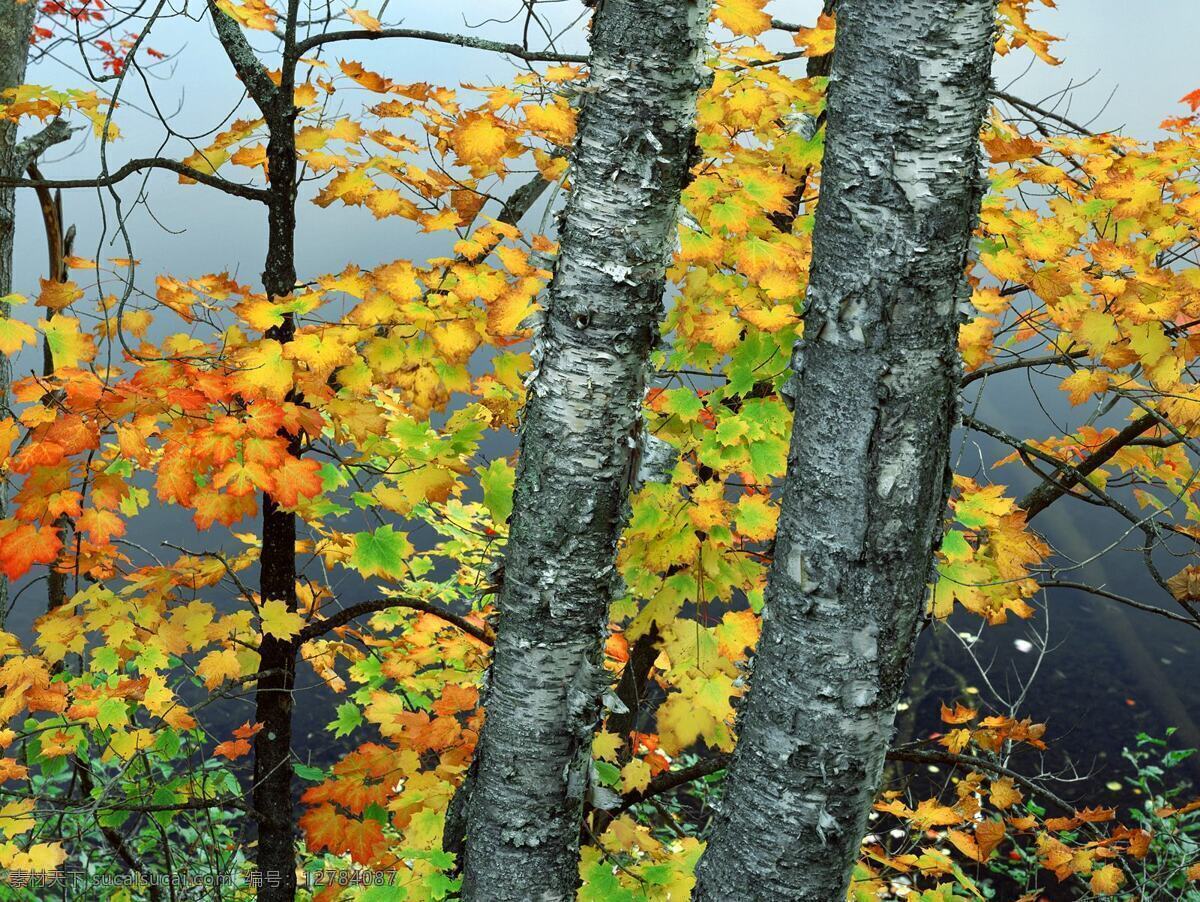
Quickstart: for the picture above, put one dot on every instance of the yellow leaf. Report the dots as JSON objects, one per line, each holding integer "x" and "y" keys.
{"x": 1098, "y": 330}
{"x": 605, "y": 746}
{"x": 219, "y": 666}
{"x": 743, "y": 16}
{"x": 480, "y": 138}
{"x": 1107, "y": 880}
{"x": 635, "y": 775}
{"x": 14, "y": 334}
{"x": 264, "y": 371}
{"x": 1082, "y": 384}
{"x": 364, "y": 19}
{"x": 68, "y": 345}
{"x": 278, "y": 621}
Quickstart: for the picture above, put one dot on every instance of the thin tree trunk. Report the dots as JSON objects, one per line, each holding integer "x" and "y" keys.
{"x": 274, "y": 704}
{"x": 874, "y": 392}
{"x": 533, "y": 765}
{"x": 16, "y": 28}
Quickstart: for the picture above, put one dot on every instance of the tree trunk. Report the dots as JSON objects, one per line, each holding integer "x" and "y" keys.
{"x": 533, "y": 764}
{"x": 16, "y": 28}
{"x": 274, "y": 703}
{"x": 874, "y": 392}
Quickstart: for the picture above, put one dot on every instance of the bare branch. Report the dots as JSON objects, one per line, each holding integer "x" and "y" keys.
{"x": 1113, "y": 596}
{"x": 134, "y": 166}
{"x": 344, "y": 616}
{"x": 458, "y": 40}
{"x": 1022, "y": 363}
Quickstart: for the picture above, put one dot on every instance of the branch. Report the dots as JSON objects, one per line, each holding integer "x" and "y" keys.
{"x": 1113, "y": 596}
{"x": 245, "y": 61}
{"x": 1047, "y": 493}
{"x": 133, "y": 166}
{"x": 669, "y": 780}
{"x": 1021, "y": 363}
{"x": 28, "y": 151}
{"x": 341, "y": 618}
{"x": 1041, "y": 111}
{"x": 919, "y": 756}
{"x": 458, "y": 40}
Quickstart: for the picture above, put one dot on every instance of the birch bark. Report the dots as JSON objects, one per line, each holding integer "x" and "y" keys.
{"x": 533, "y": 764}
{"x": 16, "y": 29}
{"x": 874, "y": 395}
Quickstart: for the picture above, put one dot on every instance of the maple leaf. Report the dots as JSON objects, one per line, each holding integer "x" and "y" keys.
{"x": 979, "y": 847}
{"x": 14, "y": 334}
{"x": 278, "y": 621}
{"x": 22, "y": 545}
{"x": 68, "y": 345}
{"x": 364, "y": 19}
{"x": 219, "y": 666}
{"x": 818, "y": 40}
{"x": 1107, "y": 880}
{"x": 296, "y": 478}
{"x": 480, "y": 138}
{"x": 264, "y": 371}
{"x": 56, "y": 295}
{"x": 756, "y": 518}
{"x": 325, "y": 829}
{"x": 1084, "y": 383}
{"x": 743, "y": 16}
{"x": 383, "y": 552}
{"x": 232, "y": 748}
{"x": 1192, "y": 100}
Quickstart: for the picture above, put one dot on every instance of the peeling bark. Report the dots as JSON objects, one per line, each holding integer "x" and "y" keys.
{"x": 533, "y": 765}
{"x": 874, "y": 396}
{"x": 16, "y": 28}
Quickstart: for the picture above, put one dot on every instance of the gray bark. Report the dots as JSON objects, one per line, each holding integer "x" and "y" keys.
{"x": 533, "y": 765}
{"x": 874, "y": 397}
{"x": 16, "y": 28}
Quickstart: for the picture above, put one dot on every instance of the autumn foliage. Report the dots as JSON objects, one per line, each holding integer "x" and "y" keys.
{"x": 175, "y": 397}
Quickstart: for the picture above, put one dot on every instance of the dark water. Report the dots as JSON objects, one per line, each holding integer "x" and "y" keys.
{"x": 1108, "y": 674}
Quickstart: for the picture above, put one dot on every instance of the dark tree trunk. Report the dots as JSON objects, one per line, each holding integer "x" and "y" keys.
{"x": 874, "y": 392}
{"x": 277, "y": 568}
{"x": 274, "y": 704}
{"x": 533, "y": 765}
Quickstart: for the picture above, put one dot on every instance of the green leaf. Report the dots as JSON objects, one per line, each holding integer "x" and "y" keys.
{"x": 497, "y": 482}
{"x": 381, "y": 553}
{"x": 315, "y": 774}
{"x": 683, "y": 403}
{"x": 349, "y": 717}
{"x": 106, "y": 659}
{"x": 609, "y": 774}
{"x": 167, "y": 743}
{"x": 112, "y": 713}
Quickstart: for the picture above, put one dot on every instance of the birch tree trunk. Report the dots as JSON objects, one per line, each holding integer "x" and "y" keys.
{"x": 16, "y": 28}
{"x": 581, "y": 422}
{"x": 874, "y": 392}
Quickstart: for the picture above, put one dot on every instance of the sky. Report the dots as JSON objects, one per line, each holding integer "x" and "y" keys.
{"x": 1132, "y": 64}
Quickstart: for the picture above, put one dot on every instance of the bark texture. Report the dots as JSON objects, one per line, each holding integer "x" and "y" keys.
{"x": 274, "y": 701}
{"x": 16, "y": 28}
{"x": 533, "y": 766}
{"x": 874, "y": 398}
